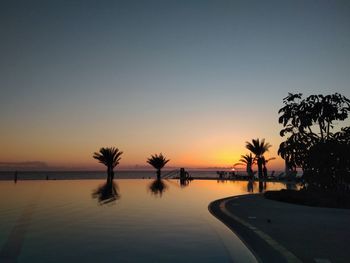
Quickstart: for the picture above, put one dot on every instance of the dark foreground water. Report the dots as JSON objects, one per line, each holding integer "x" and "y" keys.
{"x": 72, "y": 221}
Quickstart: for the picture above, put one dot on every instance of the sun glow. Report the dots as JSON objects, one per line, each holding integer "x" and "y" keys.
{"x": 224, "y": 157}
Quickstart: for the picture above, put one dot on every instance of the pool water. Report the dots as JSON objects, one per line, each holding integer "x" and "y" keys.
{"x": 72, "y": 221}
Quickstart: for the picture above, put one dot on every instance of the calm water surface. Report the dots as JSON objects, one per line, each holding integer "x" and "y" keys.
{"x": 62, "y": 221}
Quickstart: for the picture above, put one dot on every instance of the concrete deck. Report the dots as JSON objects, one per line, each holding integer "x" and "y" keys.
{"x": 282, "y": 232}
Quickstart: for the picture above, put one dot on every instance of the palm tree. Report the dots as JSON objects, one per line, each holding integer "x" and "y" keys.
{"x": 158, "y": 162}
{"x": 258, "y": 148}
{"x": 265, "y": 161}
{"x": 247, "y": 160}
{"x": 110, "y": 157}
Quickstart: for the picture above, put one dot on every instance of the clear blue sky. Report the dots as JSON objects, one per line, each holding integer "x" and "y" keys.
{"x": 193, "y": 79}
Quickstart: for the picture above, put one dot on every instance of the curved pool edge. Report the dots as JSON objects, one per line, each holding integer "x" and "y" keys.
{"x": 262, "y": 246}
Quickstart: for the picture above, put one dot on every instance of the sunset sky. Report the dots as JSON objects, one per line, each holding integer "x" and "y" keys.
{"x": 194, "y": 80}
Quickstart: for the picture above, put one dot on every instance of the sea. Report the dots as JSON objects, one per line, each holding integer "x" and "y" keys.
{"x": 122, "y": 174}
{"x": 71, "y": 175}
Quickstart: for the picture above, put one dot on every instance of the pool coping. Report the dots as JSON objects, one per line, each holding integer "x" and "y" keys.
{"x": 262, "y": 246}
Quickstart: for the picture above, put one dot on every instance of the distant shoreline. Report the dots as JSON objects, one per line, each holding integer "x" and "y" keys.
{"x": 121, "y": 174}
{"x": 152, "y": 178}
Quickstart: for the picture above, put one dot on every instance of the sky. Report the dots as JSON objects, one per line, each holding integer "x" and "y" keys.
{"x": 194, "y": 80}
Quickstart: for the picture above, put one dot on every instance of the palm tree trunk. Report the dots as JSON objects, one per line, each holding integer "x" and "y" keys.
{"x": 261, "y": 187}
{"x": 286, "y": 167}
{"x": 265, "y": 171}
{"x": 158, "y": 174}
{"x": 250, "y": 172}
{"x": 110, "y": 174}
{"x": 109, "y": 180}
{"x": 328, "y": 126}
{"x": 260, "y": 168}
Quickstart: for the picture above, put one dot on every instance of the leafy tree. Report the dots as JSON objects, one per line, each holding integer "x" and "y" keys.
{"x": 158, "y": 162}
{"x": 328, "y": 166}
{"x": 258, "y": 148}
{"x": 315, "y": 112}
{"x": 343, "y": 136}
{"x": 308, "y": 125}
{"x": 294, "y": 149}
{"x": 110, "y": 157}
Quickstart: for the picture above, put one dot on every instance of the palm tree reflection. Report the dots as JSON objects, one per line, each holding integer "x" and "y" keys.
{"x": 157, "y": 187}
{"x": 255, "y": 186}
{"x": 250, "y": 186}
{"x": 106, "y": 193}
{"x": 262, "y": 186}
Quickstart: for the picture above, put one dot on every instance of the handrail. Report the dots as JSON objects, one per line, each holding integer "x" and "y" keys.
{"x": 170, "y": 173}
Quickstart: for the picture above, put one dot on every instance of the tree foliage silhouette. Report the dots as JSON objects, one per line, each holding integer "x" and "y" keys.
{"x": 110, "y": 157}
{"x": 308, "y": 124}
{"x": 258, "y": 148}
{"x": 248, "y": 160}
{"x": 158, "y": 162}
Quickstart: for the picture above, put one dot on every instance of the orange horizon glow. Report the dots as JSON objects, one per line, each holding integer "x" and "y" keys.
{"x": 191, "y": 146}
{"x": 224, "y": 159}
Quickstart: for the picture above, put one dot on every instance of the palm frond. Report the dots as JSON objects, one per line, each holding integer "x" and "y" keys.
{"x": 247, "y": 159}
{"x": 157, "y": 161}
{"x": 109, "y": 156}
{"x": 238, "y": 164}
{"x": 270, "y": 159}
{"x": 257, "y": 147}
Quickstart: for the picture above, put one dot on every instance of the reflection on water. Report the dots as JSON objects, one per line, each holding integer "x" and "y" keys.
{"x": 253, "y": 185}
{"x": 106, "y": 193}
{"x": 250, "y": 186}
{"x": 157, "y": 187}
{"x": 262, "y": 186}
{"x": 223, "y": 181}
{"x": 185, "y": 182}
{"x": 67, "y": 225}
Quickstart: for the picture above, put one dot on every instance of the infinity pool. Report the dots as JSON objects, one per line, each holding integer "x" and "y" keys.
{"x": 71, "y": 221}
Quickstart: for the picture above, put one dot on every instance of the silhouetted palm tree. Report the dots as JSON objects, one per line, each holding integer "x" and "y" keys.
{"x": 247, "y": 160}
{"x": 110, "y": 157}
{"x": 265, "y": 161}
{"x": 158, "y": 162}
{"x": 258, "y": 148}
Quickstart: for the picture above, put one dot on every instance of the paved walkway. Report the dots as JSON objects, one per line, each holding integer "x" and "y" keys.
{"x": 282, "y": 232}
